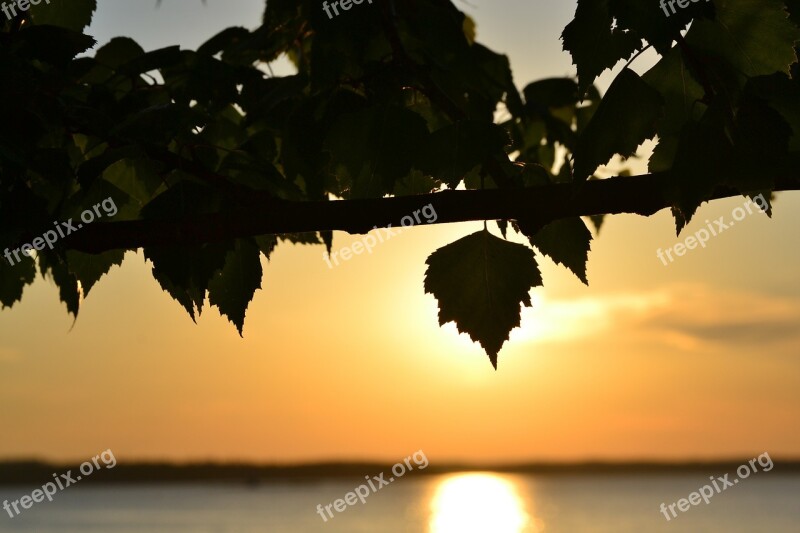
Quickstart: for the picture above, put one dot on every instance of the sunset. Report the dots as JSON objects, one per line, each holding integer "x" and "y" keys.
{"x": 677, "y": 363}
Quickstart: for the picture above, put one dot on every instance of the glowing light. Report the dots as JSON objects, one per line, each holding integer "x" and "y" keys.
{"x": 479, "y": 502}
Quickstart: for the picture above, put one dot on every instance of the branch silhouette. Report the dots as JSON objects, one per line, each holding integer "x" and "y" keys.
{"x": 640, "y": 195}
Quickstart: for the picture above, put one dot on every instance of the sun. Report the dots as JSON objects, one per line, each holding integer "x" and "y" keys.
{"x": 478, "y": 502}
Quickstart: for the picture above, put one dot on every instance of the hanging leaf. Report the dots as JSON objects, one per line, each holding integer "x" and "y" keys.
{"x": 232, "y": 288}
{"x": 480, "y": 282}
{"x": 567, "y": 242}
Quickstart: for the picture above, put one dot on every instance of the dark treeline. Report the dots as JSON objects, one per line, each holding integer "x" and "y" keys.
{"x": 37, "y": 473}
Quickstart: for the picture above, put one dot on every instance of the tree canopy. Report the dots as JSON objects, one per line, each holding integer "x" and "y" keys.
{"x": 211, "y": 160}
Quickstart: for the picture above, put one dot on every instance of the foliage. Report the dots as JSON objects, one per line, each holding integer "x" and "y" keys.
{"x": 395, "y": 98}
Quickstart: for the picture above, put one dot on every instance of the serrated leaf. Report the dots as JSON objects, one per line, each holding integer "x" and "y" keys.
{"x": 308, "y": 237}
{"x": 480, "y": 282}
{"x": 625, "y": 118}
{"x": 683, "y": 103}
{"x": 185, "y": 271}
{"x": 592, "y": 42}
{"x": 71, "y": 14}
{"x": 415, "y": 182}
{"x": 657, "y": 22}
{"x": 53, "y": 44}
{"x": 754, "y": 36}
{"x": 14, "y": 278}
{"x": 89, "y": 268}
{"x": 66, "y": 281}
{"x": 597, "y": 222}
{"x": 681, "y": 92}
{"x": 567, "y": 242}
{"x": 232, "y": 288}
{"x": 267, "y": 244}
{"x": 327, "y": 238}
{"x": 502, "y": 225}
{"x": 704, "y": 157}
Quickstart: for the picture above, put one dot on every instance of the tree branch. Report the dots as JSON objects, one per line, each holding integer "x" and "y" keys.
{"x": 623, "y": 194}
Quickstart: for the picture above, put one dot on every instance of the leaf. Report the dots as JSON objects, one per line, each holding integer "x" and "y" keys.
{"x": 480, "y": 282}
{"x": 118, "y": 51}
{"x": 567, "y": 242}
{"x": 71, "y": 14}
{"x": 705, "y": 156}
{"x": 592, "y": 42}
{"x": 138, "y": 178}
{"x": 553, "y": 102}
{"x": 657, "y": 22}
{"x": 502, "y": 225}
{"x": 415, "y": 182}
{"x": 683, "y": 102}
{"x": 597, "y": 222}
{"x": 224, "y": 39}
{"x": 308, "y": 237}
{"x": 267, "y": 244}
{"x": 185, "y": 271}
{"x": 53, "y": 44}
{"x": 754, "y": 36}
{"x": 495, "y": 80}
{"x": 470, "y": 29}
{"x": 373, "y": 148}
{"x": 232, "y": 289}
{"x": 455, "y": 150}
{"x": 761, "y": 137}
{"x": 551, "y": 92}
{"x": 66, "y": 281}
{"x": 89, "y": 268}
{"x": 327, "y": 238}
{"x": 625, "y": 118}
{"x": 14, "y": 278}
{"x": 783, "y": 95}
{"x": 682, "y": 94}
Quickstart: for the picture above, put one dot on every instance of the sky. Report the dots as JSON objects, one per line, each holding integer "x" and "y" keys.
{"x": 695, "y": 359}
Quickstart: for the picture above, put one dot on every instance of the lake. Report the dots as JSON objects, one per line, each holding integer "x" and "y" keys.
{"x": 452, "y": 503}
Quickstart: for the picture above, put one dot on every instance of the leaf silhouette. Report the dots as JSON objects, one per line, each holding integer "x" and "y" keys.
{"x": 480, "y": 281}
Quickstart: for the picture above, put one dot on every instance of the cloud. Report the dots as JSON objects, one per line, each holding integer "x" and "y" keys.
{"x": 729, "y": 317}
{"x": 551, "y": 320}
{"x": 687, "y": 316}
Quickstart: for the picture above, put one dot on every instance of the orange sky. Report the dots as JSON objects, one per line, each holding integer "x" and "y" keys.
{"x": 696, "y": 359}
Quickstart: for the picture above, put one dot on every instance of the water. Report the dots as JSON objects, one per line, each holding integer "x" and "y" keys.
{"x": 454, "y": 503}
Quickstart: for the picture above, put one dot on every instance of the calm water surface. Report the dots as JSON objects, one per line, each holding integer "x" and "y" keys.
{"x": 454, "y": 503}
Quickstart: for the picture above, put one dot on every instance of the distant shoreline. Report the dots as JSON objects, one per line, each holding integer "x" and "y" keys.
{"x": 37, "y": 472}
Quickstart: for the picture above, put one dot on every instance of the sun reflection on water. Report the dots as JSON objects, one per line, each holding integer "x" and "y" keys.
{"x": 479, "y": 503}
